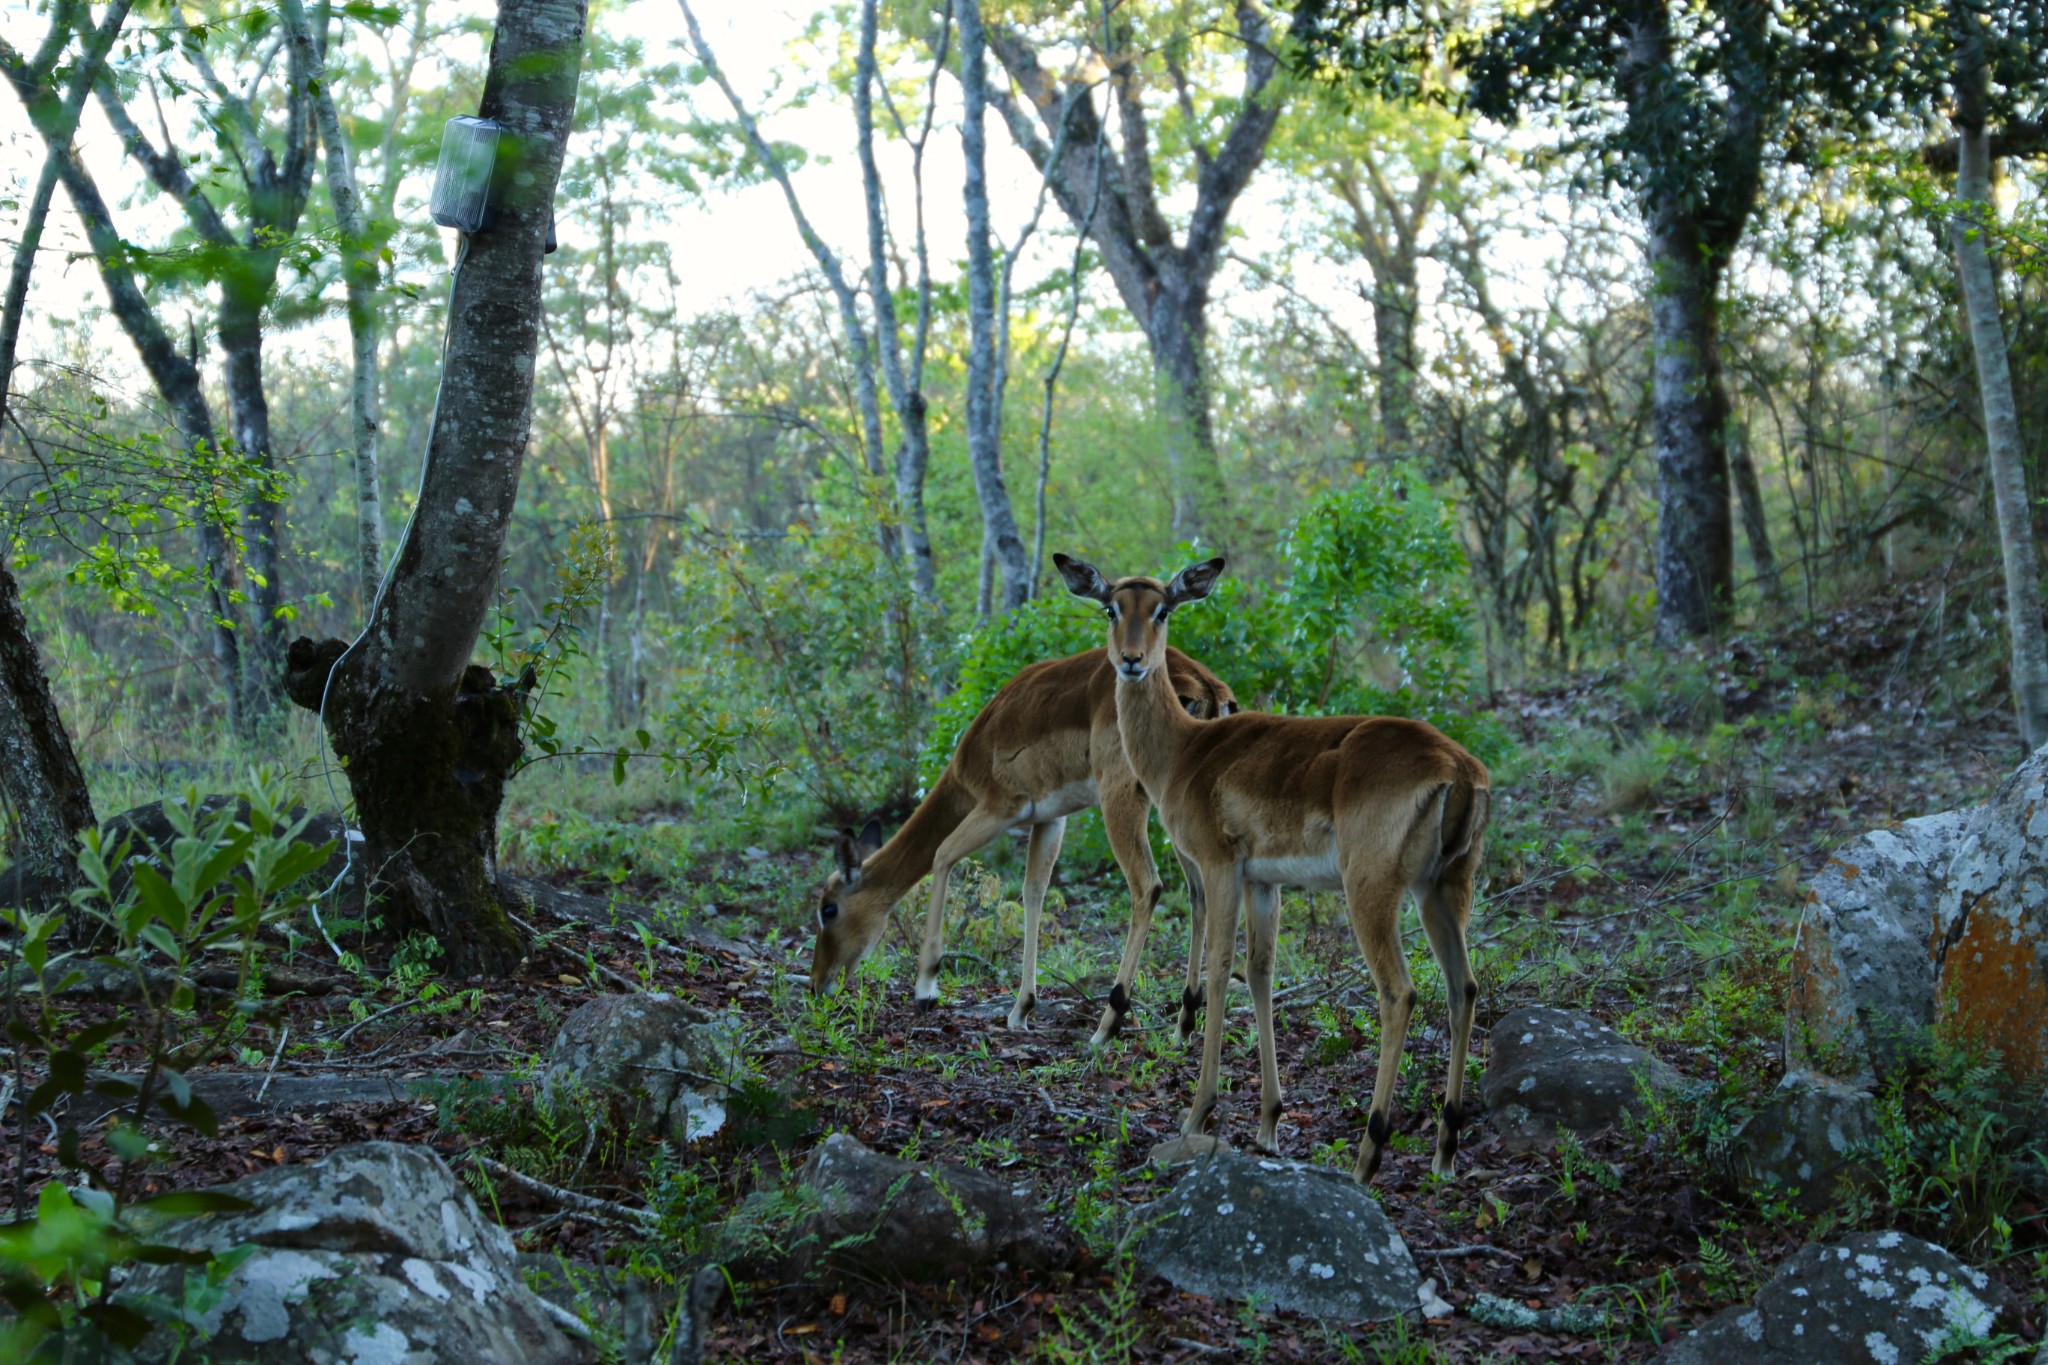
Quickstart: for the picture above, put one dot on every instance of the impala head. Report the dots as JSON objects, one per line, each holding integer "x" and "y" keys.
{"x": 850, "y": 916}
{"x": 1137, "y": 609}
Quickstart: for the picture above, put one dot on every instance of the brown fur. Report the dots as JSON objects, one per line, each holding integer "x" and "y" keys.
{"x": 1028, "y": 758}
{"x": 1375, "y": 806}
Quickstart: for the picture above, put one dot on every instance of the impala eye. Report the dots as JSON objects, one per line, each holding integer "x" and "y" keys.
{"x": 1159, "y": 617}
{"x": 828, "y": 912}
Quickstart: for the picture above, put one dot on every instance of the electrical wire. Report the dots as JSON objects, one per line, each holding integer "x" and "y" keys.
{"x": 351, "y": 837}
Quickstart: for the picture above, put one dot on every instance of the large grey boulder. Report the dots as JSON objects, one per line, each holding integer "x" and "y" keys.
{"x": 1864, "y": 959}
{"x": 1877, "y": 1298}
{"x": 1808, "y": 1137}
{"x": 1288, "y": 1235}
{"x": 653, "y": 1063}
{"x": 1550, "y": 1069}
{"x": 1992, "y": 989}
{"x": 374, "y": 1253}
{"x": 878, "y": 1218}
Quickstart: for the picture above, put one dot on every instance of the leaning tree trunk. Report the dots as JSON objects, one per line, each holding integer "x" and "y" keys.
{"x": 428, "y": 738}
{"x": 1179, "y": 340}
{"x": 1689, "y": 408}
{"x": 1003, "y": 541}
{"x": 241, "y": 342}
{"x": 2002, "y": 449}
{"x": 38, "y": 771}
{"x": 359, "y": 272}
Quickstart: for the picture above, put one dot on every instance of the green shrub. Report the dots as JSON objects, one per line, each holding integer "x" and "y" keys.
{"x": 814, "y": 647}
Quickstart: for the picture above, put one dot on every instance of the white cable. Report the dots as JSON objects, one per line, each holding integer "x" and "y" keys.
{"x": 350, "y": 837}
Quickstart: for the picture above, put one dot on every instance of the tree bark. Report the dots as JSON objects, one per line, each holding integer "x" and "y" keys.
{"x": 428, "y": 738}
{"x": 1004, "y": 542}
{"x": 1695, "y": 535}
{"x": 2002, "y": 446}
{"x": 359, "y": 274}
{"x": 906, "y": 388}
{"x": 1694, "y": 225}
{"x": 39, "y": 773}
{"x": 1749, "y": 496}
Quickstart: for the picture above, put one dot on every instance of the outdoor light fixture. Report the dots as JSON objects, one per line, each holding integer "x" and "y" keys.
{"x": 462, "y": 182}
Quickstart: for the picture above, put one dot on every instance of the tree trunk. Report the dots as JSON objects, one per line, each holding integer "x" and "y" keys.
{"x": 1394, "y": 305}
{"x": 359, "y": 273}
{"x": 241, "y": 343}
{"x": 1756, "y": 530}
{"x": 2002, "y": 448}
{"x": 906, "y": 393}
{"x": 1179, "y": 336}
{"x": 1695, "y": 537}
{"x": 428, "y": 738}
{"x": 39, "y": 773}
{"x": 984, "y": 442}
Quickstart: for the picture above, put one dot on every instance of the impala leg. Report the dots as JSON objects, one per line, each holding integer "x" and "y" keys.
{"x": 1124, "y": 815}
{"x": 1375, "y": 903}
{"x": 1191, "y": 995}
{"x": 973, "y": 834}
{"x": 1445, "y": 910}
{"x": 1221, "y": 884}
{"x": 1038, "y": 864}
{"x": 1261, "y": 933}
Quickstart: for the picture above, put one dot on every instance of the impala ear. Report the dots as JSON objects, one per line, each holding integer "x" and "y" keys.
{"x": 1194, "y": 582}
{"x": 847, "y": 854}
{"x": 869, "y": 840}
{"x": 1082, "y": 578}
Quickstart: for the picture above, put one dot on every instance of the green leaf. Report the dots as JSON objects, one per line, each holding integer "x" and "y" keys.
{"x": 161, "y": 900}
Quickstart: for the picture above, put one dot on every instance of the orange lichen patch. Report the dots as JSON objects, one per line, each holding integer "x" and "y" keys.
{"x": 1994, "y": 993}
{"x": 1850, "y": 872}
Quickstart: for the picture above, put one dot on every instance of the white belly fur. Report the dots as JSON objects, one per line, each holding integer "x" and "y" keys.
{"x": 1058, "y": 805}
{"x": 1310, "y": 871}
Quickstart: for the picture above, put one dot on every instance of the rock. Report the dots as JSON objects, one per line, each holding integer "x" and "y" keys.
{"x": 1992, "y": 989}
{"x": 1807, "y": 1136}
{"x": 1864, "y": 959}
{"x": 649, "y": 1062}
{"x": 1548, "y": 1069}
{"x": 878, "y": 1218}
{"x": 373, "y": 1253}
{"x": 1286, "y": 1234}
{"x": 1876, "y": 1297}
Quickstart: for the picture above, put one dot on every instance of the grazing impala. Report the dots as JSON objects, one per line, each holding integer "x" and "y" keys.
{"x": 1045, "y": 747}
{"x": 1372, "y": 806}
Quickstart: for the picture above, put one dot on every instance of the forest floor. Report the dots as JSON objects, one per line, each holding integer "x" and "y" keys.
{"x": 1653, "y": 837}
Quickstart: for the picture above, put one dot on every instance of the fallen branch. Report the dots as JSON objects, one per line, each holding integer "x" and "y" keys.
{"x": 568, "y": 1199}
{"x": 1473, "y": 1250}
{"x": 1571, "y": 1319}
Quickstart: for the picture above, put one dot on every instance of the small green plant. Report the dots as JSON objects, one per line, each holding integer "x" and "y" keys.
{"x": 152, "y": 913}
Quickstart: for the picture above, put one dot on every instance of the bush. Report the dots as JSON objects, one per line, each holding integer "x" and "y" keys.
{"x": 816, "y": 642}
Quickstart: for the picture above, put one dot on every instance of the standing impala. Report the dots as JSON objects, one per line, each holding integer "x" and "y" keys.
{"x": 1045, "y": 747}
{"x": 1372, "y": 806}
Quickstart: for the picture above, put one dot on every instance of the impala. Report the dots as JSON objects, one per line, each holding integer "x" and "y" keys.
{"x": 1045, "y": 747}
{"x": 1372, "y": 806}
